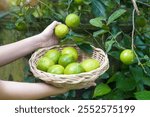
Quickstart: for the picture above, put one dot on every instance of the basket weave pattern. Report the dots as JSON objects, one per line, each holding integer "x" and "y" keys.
{"x": 74, "y": 80}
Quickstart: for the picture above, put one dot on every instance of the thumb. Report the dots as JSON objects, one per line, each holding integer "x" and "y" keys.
{"x": 54, "y": 24}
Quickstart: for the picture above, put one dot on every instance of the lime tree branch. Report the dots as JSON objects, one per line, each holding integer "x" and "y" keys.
{"x": 132, "y": 45}
{"x": 140, "y": 2}
{"x": 135, "y": 7}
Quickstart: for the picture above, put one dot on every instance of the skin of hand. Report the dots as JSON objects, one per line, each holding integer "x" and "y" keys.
{"x": 11, "y": 90}
{"x": 28, "y": 45}
{"x": 47, "y": 37}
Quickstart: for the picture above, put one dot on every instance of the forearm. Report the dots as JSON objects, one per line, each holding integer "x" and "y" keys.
{"x": 11, "y": 52}
{"x": 24, "y": 91}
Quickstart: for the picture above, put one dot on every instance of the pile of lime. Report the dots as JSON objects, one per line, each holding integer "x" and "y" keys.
{"x": 65, "y": 61}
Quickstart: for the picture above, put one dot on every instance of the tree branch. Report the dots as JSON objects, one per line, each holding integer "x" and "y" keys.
{"x": 135, "y": 7}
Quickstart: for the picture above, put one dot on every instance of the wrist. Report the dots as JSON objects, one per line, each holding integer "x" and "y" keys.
{"x": 39, "y": 41}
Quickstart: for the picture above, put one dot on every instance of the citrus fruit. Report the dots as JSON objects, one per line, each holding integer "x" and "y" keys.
{"x": 78, "y": 1}
{"x": 56, "y": 69}
{"x": 73, "y": 68}
{"x": 127, "y": 56}
{"x": 70, "y": 50}
{"x": 90, "y": 64}
{"x": 65, "y": 59}
{"x": 53, "y": 54}
{"x": 44, "y": 63}
{"x": 72, "y": 20}
{"x": 61, "y": 30}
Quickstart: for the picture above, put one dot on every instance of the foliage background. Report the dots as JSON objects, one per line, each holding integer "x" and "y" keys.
{"x": 106, "y": 24}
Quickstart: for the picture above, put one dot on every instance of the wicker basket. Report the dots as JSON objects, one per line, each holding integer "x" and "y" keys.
{"x": 74, "y": 80}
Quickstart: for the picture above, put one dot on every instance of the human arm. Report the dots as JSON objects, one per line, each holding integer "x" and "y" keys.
{"x": 13, "y": 51}
{"x": 10, "y": 90}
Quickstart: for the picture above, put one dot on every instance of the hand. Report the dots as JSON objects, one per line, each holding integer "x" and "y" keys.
{"x": 47, "y": 37}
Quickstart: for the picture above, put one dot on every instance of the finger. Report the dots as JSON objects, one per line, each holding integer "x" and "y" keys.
{"x": 55, "y": 23}
{"x": 51, "y": 26}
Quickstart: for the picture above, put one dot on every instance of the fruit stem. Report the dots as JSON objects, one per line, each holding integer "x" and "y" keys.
{"x": 139, "y": 62}
{"x": 69, "y": 4}
{"x": 133, "y": 29}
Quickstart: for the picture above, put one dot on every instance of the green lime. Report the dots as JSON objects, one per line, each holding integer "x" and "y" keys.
{"x": 56, "y": 69}
{"x": 90, "y": 64}
{"x": 127, "y": 56}
{"x": 65, "y": 59}
{"x": 73, "y": 68}
{"x": 53, "y": 54}
{"x": 72, "y": 20}
{"x": 44, "y": 63}
{"x": 70, "y": 50}
{"x": 61, "y": 30}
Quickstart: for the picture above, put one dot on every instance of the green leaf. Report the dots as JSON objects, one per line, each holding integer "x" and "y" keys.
{"x": 115, "y": 95}
{"x": 147, "y": 70}
{"x": 10, "y": 25}
{"x": 115, "y": 15}
{"x": 125, "y": 84}
{"x": 108, "y": 45}
{"x": 142, "y": 95}
{"x": 98, "y": 8}
{"x": 97, "y": 22}
{"x": 114, "y": 77}
{"x": 146, "y": 81}
{"x": 78, "y": 39}
{"x": 87, "y": 94}
{"x": 115, "y": 54}
{"x": 117, "y": 34}
{"x": 99, "y": 32}
{"x": 147, "y": 63}
{"x": 101, "y": 89}
{"x": 137, "y": 73}
{"x": 140, "y": 44}
{"x": 86, "y": 47}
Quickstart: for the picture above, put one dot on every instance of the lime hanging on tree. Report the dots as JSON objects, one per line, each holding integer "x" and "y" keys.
{"x": 127, "y": 56}
{"x": 72, "y": 20}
